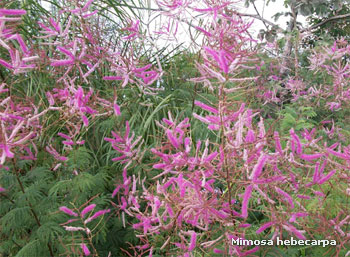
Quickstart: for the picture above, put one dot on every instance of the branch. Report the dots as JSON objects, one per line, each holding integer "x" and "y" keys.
{"x": 255, "y": 16}
{"x": 261, "y": 17}
{"x": 326, "y": 21}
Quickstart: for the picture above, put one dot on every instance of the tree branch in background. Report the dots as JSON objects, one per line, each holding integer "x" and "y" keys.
{"x": 344, "y": 16}
{"x": 255, "y": 16}
{"x": 257, "y": 12}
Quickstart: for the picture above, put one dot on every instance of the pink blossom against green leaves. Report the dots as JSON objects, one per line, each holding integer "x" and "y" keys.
{"x": 126, "y": 146}
{"x": 68, "y": 211}
{"x": 133, "y": 30}
{"x": 96, "y": 215}
{"x": 87, "y": 209}
{"x": 55, "y": 154}
{"x": 73, "y": 229}
{"x": 85, "y": 249}
{"x": 288, "y": 198}
{"x": 296, "y": 232}
{"x": 10, "y": 12}
{"x": 265, "y": 226}
{"x": 245, "y": 202}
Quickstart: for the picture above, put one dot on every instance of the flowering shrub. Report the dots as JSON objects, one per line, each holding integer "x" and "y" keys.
{"x": 158, "y": 168}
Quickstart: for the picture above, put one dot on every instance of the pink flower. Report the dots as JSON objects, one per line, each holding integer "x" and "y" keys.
{"x": 4, "y": 12}
{"x": 87, "y": 209}
{"x": 326, "y": 178}
{"x": 193, "y": 239}
{"x": 55, "y": 154}
{"x": 265, "y": 226}
{"x": 286, "y": 195}
{"x": 245, "y": 202}
{"x": 69, "y": 228}
{"x": 96, "y": 215}
{"x": 310, "y": 157}
{"x": 206, "y": 107}
{"x": 85, "y": 249}
{"x": 296, "y": 232}
{"x": 220, "y": 57}
{"x": 68, "y": 211}
{"x": 258, "y": 167}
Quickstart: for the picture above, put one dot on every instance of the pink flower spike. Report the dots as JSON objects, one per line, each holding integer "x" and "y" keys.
{"x": 206, "y": 107}
{"x": 286, "y": 195}
{"x": 66, "y": 52}
{"x": 85, "y": 120}
{"x": 96, "y": 215}
{"x": 6, "y": 64}
{"x": 265, "y": 226}
{"x": 62, "y": 158}
{"x": 55, "y": 25}
{"x": 310, "y": 157}
{"x": 61, "y": 62}
{"x": 203, "y": 31}
{"x": 116, "y": 109}
{"x": 12, "y": 12}
{"x": 216, "y": 250}
{"x": 87, "y": 209}
{"x": 85, "y": 249}
{"x": 64, "y": 136}
{"x": 2, "y": 189}
{"x": 337, "y": 154}
{"x": 70, "y": 228}
{"x": 68, "y": 211}
{"x": 193, "y": 240}
{"x": 87, "y": 5}
{"x": 112, "y": 78}
{"x": 296, "y": 232}
{"x": 245, "y": 202}
{"x": 326, "y": 178}
{"x": 258, "y": 167}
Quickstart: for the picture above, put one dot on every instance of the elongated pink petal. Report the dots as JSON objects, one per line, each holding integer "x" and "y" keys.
{"x": 12, "y": 12}
{"x": 85, "y": 249}
{"x": 286, "y": 195}
{"x": 340, "y": 155}
{"x": 327, "y": 177}
{"x": 316, "y": 173}
{"x": 265, "y": 226}
{"x": 64, "y": 136}
{"x": 68, "y": 211}
{"x": 85, "y": 120}
{"x": 66, "y": 52}
{"x": 296, "y": 232}
{"x": 6, "y": 64}
{"x": 112, "y": 78}
{"x": 258, "y": 167}
{"x": 116, "y": 109}
{"x": 193, "y": 240}
{"x": 245, "y": 202}
{"x": 61, "y": 62}
{"x": 310, "y": 157}
{"x": 96, "y": 215}
{"x": 206, "y": 107}
{"x": 69, "y": 228}
{"x": 173, "y": 140}
{"x": 87, "y": 209}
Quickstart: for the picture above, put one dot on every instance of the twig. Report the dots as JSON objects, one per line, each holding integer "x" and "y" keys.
{"x": 255, "y": 16}
{"x": 257, "y": 12}
{"x": 344, "y": 16}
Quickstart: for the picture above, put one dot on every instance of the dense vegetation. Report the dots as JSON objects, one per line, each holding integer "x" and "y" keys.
{"x": 118, "y": 139}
